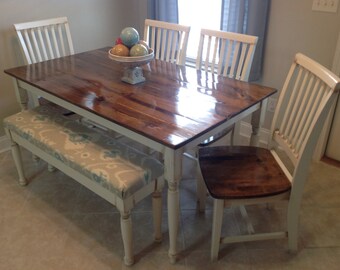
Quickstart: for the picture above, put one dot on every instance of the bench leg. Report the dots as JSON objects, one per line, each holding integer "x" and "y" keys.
{"x": 126, "y": 228}
{"x": 18, "y": 163}
{"x": 157, "y": 214}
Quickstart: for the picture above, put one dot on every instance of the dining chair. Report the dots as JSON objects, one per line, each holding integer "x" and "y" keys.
{"x": 230, "y": 55}
{"x": 44, "y": 40}
{"x": 245, "y": 175}
{"x": 168, "y": 40}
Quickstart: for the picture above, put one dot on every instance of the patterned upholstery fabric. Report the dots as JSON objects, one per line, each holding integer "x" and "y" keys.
{"x": 115, "y": 166}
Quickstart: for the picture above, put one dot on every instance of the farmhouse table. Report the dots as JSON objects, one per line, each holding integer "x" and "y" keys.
{"x": 175, "y": 109}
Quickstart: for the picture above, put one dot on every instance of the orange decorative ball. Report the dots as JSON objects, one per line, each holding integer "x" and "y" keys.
{"x": 120, "y": 50}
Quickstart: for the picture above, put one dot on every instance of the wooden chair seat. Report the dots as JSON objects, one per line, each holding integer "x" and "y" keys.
{"x": 248, "y": 172}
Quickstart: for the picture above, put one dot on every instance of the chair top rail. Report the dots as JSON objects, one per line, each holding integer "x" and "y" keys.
{"x": 36, "y": 24}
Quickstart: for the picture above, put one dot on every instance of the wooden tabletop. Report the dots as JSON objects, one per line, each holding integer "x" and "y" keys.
{"x": 173, "y": 106}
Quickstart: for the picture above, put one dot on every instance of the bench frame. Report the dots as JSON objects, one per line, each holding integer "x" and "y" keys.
{"x": 123, "y": 205}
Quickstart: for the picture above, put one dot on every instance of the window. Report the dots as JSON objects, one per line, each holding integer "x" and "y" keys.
{"x": 203, "y": 14}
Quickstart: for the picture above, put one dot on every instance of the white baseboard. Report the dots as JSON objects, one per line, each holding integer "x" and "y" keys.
{"x": 4, "y": 144}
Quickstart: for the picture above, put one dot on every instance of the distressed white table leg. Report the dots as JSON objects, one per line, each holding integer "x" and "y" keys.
{"x": 21, "y": 95}
{"x": 257, "y": 120}
{"x": 126, "y": 228}
{"x": 173, "y": 171}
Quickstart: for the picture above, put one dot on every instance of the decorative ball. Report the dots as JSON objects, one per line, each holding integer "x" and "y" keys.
{"x": 129, "y": 36}
{"x": 143, "y": 42}
{"x": 138, "y": 50}
{"x": 118, "y": 41}
{"x": 120, "y": 50}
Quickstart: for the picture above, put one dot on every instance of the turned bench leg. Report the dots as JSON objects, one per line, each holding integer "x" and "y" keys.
{"x": 126, "y": 228}
{"x": 18, "y": 163}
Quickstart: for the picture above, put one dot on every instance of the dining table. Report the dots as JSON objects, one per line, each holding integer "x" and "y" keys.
{"x": 172, "y": 111}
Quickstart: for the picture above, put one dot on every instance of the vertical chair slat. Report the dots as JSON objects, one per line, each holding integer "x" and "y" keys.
{"x": 35, "y": 44}
{"x": 61, "y": 38}
{"x": 207, "y": 57}
{"x": 214, "y": 56}
{"x": 172, "y": 51}
{"x": 297, "y": 103}
{"x": 168, "y": 47}
{"x": 163, "y": 44}
{"x": 310, "y": 99}
{"x": 228, "y": 57}
{"x": 158, "y": 43}
{"x": 222, "y": 56}
{"x": 200, "y": 49}
{"x": 177, "y": 44}
{"x": 232, "y": 71}
{"x": 301, "y": 108}
{"x": 69, "y": 38}
{"x": 241, "y": 61}
{"x": 41, "y": 41}
{"x": 284, "y": 123}
{"x": 49, "y": 43}
{"x": 320, "y": 95}
{"x": 29, "y": 46}
{"x": 249, "y": 57}
{"x": 55, "y": 42}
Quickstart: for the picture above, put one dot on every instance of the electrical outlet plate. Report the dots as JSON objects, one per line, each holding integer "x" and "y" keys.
{"x": 325, "y": 5}
{"x": 271, "y": 104}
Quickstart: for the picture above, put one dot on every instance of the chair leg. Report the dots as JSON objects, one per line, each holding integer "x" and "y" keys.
{"x": 292, "y": 223}
{"x": 16, "y": 153}
{"x": 126, "y": 228}
{"x": 157, "y": 214}
{"x": 216, "y": 228}
{"x": 201, "y": 190}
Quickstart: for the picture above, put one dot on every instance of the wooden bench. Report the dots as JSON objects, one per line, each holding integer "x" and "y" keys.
{"x": 118, "y": 173}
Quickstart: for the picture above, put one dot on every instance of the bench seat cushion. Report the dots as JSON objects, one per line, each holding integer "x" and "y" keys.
{"x": 112, "y": 164}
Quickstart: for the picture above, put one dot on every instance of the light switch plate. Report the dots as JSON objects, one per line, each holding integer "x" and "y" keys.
{"x": 325, "y": 5}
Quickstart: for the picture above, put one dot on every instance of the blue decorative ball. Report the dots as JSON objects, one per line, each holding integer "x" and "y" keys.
{"x": 129, "y": 36}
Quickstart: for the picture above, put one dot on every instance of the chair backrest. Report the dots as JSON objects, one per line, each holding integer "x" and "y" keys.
{"x": 45, "y": 39}
{"x": 226, "y": 53}
{"x": 304, "y": 102}
{"x": 168, "y": 40}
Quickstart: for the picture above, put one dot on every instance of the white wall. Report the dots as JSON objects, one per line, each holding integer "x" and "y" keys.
{"x": 292, "y": 27}
{"x": 93, "y": 23}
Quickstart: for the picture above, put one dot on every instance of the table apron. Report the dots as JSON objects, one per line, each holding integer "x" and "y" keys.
{"x": 93, "y": 117}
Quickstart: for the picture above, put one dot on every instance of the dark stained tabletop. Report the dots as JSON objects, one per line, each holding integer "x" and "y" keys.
{"x": 173, "y": 106}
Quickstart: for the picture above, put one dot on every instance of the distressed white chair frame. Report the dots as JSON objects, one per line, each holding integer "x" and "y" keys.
{"x": 230, "y": 55}
{"x": 226, "y": 53}
{"x": 307, "y": 95}
{"x": 44, "y": 40}
{"x": 168, "y": 40}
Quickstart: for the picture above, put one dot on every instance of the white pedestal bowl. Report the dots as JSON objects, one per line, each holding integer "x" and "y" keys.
{"x": 133, "y": 73}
